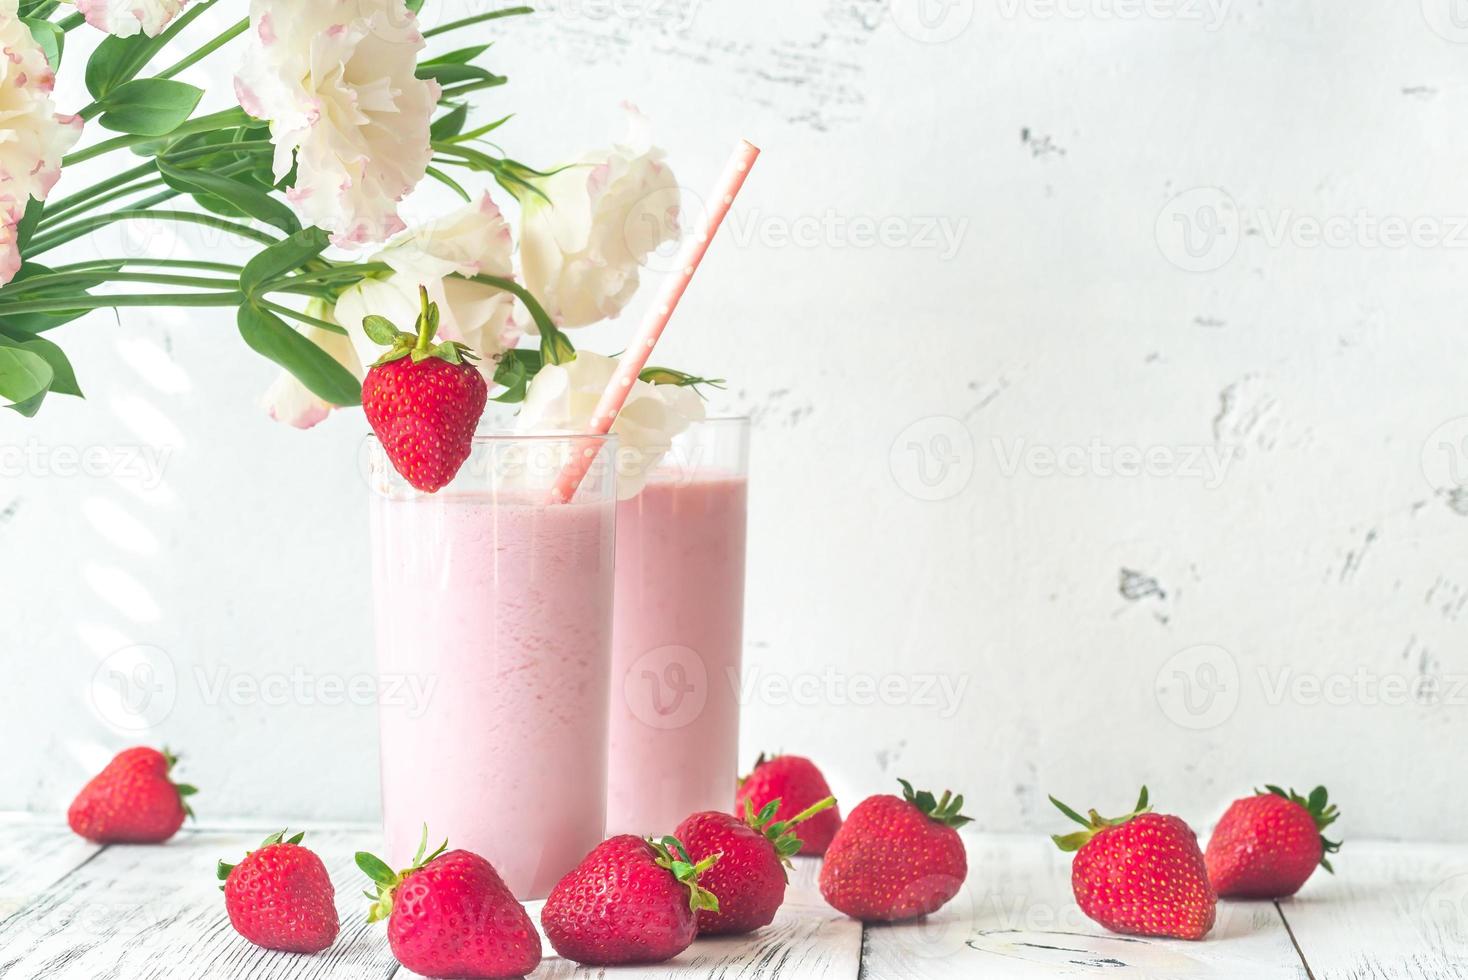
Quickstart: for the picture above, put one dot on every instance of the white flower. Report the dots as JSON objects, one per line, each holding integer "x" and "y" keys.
{"x": 33, "y": 138}
{"x": 336, "y": 79}
{"x": 126, "y": 17}
{"x": 562, "y": 397}
{"x": 289, "y": 401}
{"x": 472, "y": 240}
{"x": 580, "y": 253}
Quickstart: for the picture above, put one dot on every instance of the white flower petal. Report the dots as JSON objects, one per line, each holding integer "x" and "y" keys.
{"x": 125, "y": 18}
{"x": 562, "y": 398}
{"x": 337, "y": 80}
{"x": 289, "y": 401}
{"x": 33, "y": 138}
{"x": 581, "y": 252}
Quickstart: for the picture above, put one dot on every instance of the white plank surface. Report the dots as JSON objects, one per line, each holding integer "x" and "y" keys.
{"x": 32, "y": 858}
{"x": 146, "y": 913}
{"x": 1396, "y": 911}
{"x": 1018, "y": 919}
{"x": 1391, "y": 911}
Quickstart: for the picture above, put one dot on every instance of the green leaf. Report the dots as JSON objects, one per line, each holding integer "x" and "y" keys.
{"x": 451, "y": 123}
{"x": 119, "y": 59}
{"x": 26, "y": 230}
{"x": 25, "y": 377}
{"x": 280, "y": 260}
{"x": 460, "y": 56}
{"x": 247, "y": 196}
{"x": 514, "y": 371}
{"x": 380, "y": 330}
{"x": 149, "y": 106}
{"x": 269, "y": 335}
{"x": 63, "y": 376}
{"x": 373, "y": 867}
{"x": 453, "y": 74}
{"x": 50, "y": 37}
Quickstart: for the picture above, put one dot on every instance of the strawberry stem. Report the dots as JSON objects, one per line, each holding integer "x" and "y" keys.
{"x": 944, "y": 811}
{"x": 1094, "y": 823}
{"x": 427, "y": 320}
{"x": 673, "y": 856}
{"x": 387, "y": 880}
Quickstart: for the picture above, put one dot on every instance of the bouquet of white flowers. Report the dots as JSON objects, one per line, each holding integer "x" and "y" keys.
{"x": 344, "y": 108}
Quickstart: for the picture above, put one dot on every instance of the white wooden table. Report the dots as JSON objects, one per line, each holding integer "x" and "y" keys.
{"x": 69, "y": 909}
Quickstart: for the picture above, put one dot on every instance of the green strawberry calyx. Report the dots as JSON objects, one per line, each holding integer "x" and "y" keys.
{"x": 779, "y": 832}
{"x": 184, "y": 789}
{"x": 1321, "y": 810}
{"x": 387, "y": 880}
{"x": 1094, "y": 823}
{"x": 418, "y": 345}
{"x": 223, "y": 869}
{"x": 673, "y": 856}
{"x": 944, "y": 811}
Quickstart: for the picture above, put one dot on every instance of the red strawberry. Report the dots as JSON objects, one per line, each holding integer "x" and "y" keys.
{"x": 1268, "y": 844}
{"x": 280, "y": 897}
{"x": 423, "y": 400}
{"x": 629, "y": 901}
{"x": 797, "y": 784}
{"x": 896, "y": 858}
{"x": 1140, "y": 874}
{"x": 749, "y": 877}
{"x": 451, "y": 915}
{"x": 132, "y": 801}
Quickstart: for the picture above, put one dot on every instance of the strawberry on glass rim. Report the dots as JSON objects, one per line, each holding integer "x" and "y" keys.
{"x": 423, "y": 399}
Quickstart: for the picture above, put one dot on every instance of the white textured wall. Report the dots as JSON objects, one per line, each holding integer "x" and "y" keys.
{"x": 969, "y": 288}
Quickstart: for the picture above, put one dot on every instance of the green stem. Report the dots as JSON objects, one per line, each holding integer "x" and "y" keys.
{"x": 105, "y": 302}
{"x": 90, "y": 193}
{"x": 61, "y": 236}
{"x": 229, "y": 35}
{"x": 50, "y": 220}
{"x": 63, "y": 278}
{"x": 225, "y": 267}
{"x": 204, "y": 124}
{"x": 71, "y": 23}
{"x": 478, "y": 19}
{"x": 303, "y": 317}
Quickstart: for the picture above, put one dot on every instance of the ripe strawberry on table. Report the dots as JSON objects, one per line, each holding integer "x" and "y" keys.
{"x": 132, "y": 801}
{"x": 423, "y": 399}
{"x": 896, "y": 857}
{"x": 630, "y": 900}
{"x": 796, "y": 783}
{"x": 1140, "y": 874}
{"x": 1267, "y": 845}
{"x": 451, "y": 915}
{"x": 280, "y": 897}
{"x": 749, "y": 877}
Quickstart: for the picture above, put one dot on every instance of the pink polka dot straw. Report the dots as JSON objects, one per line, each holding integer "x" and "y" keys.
{"x": 635, "y": 359}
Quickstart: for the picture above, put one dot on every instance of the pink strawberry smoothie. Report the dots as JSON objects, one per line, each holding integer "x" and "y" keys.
{"x": 501, "y": 609}
{"x": 678, "y": 640}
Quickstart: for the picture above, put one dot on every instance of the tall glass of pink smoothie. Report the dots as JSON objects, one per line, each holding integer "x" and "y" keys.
{"x": 493, "y": 615}
{"x": 679, "y": 634}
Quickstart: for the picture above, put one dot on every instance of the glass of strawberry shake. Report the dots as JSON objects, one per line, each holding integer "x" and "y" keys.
{"x": 679, "y": 633}
{"x": 493, "y": 616}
